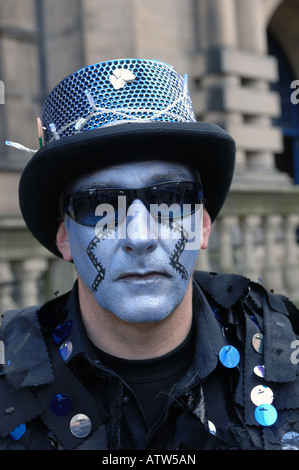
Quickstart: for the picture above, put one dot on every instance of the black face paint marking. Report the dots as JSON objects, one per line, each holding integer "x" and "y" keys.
{"x": 97, "y": 264}
{"x": 174, "y": 259}
{"x": 95, "y": 261}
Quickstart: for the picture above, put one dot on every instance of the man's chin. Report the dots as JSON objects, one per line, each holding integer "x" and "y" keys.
{"x": 143, "y": 307}
{"x": 140, "y": 316}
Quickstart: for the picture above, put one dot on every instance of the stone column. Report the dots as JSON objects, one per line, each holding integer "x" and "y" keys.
{"x": 252, "y": 37}
{"x": 19, "y": 70}
{"x": 233, "y": 73}
{"x": 251, "y": 26}
{"x": 249, "y": 226}
{"x": 291, "y": 267}
{"x": 225, "y": 226}
{"x": 62, "y": 39}
{"x": 7, "y": 284}
{"x": 272, "y": 273}
{"x": 217, "y": 23}
{"x": 108, "y": 29}
{"x": 217, "y": 30}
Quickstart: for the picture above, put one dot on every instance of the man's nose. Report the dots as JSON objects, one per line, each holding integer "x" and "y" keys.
{"x": 141, "y": 235}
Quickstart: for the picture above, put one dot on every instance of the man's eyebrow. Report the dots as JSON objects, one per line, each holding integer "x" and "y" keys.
{"x": 92, "y": 185}
{"x": 154, "y": 179}
{"x": 168, "y": 176}
{"x": 162, "y": 177}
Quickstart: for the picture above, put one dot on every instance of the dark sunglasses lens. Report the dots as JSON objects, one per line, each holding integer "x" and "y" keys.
{"x": 180, "y": 198}
{"x": 97, "y": 207}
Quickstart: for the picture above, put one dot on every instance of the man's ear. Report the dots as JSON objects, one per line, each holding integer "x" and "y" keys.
{"x": 206, "y": 229}
{"x": 62, "y": 241}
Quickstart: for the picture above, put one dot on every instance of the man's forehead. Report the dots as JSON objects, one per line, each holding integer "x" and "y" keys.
{"x": 135, "y": 174}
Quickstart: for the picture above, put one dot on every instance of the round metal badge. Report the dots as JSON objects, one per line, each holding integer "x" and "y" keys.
{"x": 258, "y": 342}
{"x": 80, "y": 425}
{"x": 290, "y": 441}
{"x": 261, "y": 395}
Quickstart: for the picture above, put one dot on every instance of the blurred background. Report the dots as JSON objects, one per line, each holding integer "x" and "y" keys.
{"x": 242, "y": 57}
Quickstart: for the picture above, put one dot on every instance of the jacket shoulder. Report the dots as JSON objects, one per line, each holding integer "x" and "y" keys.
{"x": 26, "y": 357}
{"x": 227, "y": 289}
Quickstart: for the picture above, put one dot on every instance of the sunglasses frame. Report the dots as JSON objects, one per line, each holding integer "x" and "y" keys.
{"x": 131, "y": 195}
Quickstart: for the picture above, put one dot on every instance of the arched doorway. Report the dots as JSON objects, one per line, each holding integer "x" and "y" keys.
{"x": 288, "y": 160}
{"x": 283, "y": 44}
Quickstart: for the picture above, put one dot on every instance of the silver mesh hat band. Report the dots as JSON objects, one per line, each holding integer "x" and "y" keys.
{"x": 113, "y": 92}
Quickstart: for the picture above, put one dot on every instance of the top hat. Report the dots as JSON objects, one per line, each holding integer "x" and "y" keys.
{"x": 115, "y": 112}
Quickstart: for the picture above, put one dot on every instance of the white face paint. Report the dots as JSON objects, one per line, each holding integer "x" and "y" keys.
{"x": 142, "y": 276}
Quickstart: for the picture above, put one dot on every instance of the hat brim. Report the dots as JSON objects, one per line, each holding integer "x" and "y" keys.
{"x": 206, "y": 146}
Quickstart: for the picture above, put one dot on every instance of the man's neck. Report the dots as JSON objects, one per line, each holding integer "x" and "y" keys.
{"x": 134, "y": 340}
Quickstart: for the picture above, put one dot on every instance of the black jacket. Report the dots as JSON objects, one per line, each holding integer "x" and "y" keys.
{"x": 210, "y": 407}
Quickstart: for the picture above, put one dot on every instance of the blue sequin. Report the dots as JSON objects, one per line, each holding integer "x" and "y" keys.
{"x": 61, "y": 405}
{"x": 265, "y": 414}
{"x": 65, "y": 350}
{"x": 253, "y": 318}
{"x": 17, "y": 433}
{"x": 259, "y": 371}
{"x": 62, "y": 331}
{"x": 217, "y": 315}
{"x": 229, "y": 356}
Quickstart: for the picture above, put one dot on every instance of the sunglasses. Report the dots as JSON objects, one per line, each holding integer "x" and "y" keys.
{"x": 163, "y": 201}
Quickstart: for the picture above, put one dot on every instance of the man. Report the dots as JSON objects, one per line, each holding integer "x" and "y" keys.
{"x": 144, "y": 353}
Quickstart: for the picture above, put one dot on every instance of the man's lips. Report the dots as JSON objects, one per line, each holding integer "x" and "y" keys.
{"x": 142, "y": 276}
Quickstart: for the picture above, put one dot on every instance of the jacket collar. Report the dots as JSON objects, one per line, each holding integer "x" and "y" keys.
{"x": 209, "y": 337}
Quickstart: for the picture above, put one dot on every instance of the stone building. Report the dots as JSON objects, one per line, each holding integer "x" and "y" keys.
{"x": 242, "y": 58}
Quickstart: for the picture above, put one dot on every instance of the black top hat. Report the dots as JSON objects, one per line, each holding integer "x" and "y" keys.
{"x": 116, "y": 112}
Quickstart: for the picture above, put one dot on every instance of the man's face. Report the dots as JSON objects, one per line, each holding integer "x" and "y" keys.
{"x": 140, "y": 268}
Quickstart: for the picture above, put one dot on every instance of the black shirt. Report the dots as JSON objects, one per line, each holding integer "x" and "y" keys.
{"x": 151, "y": 380}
